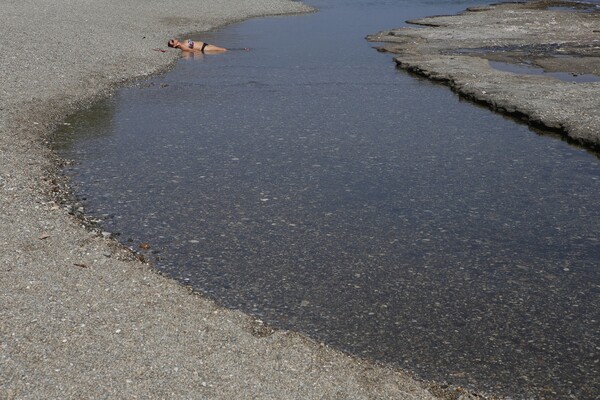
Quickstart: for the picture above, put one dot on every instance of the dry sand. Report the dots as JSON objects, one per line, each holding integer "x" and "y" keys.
{"x": 79, "y": 317}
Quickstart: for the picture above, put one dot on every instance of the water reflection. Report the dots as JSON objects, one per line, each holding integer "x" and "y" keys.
{"x": 310, "y": 183}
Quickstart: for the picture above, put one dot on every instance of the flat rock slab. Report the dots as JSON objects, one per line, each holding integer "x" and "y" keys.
{"x": 552, "y": 36}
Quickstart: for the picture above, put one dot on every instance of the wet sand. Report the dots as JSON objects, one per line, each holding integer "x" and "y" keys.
{"x": 556, "y": 36}
{"x": 82, "y": 317}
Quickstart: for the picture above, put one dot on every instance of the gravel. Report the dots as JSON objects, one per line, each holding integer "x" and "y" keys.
{"x": 81, "y": 316}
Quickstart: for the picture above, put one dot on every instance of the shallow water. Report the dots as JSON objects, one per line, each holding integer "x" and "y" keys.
{"x": 527, "y": 69}
{"x": 309, "y": 182}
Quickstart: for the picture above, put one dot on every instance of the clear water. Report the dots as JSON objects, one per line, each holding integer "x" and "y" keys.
{"x": 312, "y": 184}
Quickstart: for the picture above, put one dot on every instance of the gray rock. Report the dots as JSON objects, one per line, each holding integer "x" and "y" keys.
{"x": 456, "y": 51}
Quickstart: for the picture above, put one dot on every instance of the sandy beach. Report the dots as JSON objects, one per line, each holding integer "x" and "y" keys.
{"x": 80, "y": 316}
{"x": 83, "y": 317}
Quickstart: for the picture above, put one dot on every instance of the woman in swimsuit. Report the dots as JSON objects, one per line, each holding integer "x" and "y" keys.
{"x": 197, "y": 47}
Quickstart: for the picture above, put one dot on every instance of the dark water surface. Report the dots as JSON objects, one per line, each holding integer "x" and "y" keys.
{"x": 310, "y": 183}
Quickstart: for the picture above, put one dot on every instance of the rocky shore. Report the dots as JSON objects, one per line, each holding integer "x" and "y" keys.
{"x": 81, "y": 316}
{"x": 539, "y": 36}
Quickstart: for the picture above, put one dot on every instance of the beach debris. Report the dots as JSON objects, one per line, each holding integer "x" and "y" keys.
{"x": 144, "y": 246}
{"x": 80, "y": 265}
{"x": 44, "y": 236}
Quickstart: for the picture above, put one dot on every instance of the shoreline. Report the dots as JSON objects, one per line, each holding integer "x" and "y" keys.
{"x": 550, "y": 35}
{"x": 81, "y": 316}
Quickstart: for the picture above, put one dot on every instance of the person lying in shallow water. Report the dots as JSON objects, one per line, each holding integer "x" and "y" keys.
{"x": 196, "y": 47}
